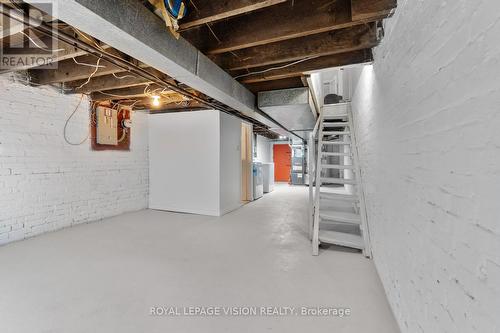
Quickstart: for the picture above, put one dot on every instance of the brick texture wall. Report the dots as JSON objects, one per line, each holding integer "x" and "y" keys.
{"x": 47, "y": 184}
{"x": 428, "y": 122}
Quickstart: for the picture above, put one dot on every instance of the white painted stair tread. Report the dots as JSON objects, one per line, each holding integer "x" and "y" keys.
{"x": 337, "y": 166}
{"x": 341, "y": 238}
{"x": 336, "y": 154}
{"x": 338, "y": 196}
{"x": 336, "y": 124}
{"x": 337, "y": 143}
{"x": 336, "y": 132}
{"x": 345, "y": 217}
{"x": 338, "y": 181}
{"x": 335, "y": 116}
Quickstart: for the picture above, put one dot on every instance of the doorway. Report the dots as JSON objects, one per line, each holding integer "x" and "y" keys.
{"x": 282, "y": 162}
{"x": 246, "y": 162}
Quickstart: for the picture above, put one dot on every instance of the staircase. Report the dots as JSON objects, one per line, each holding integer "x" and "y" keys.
{"x": 337, "y": 204}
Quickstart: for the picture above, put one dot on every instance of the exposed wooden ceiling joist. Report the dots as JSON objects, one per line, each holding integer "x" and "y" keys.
{"x": 296, "y": 70}
{"x": 363, "y": 9}
{"x": 327, "y": 43}
{"x": 68, "y": 70}
{"x": 135, "y": 92}
{"x": 178, "y": 107}
{"x": 292, "y": 82}
{"x": 203, "y": 12}
{"x": 107, "y": 82}
{"x": 77, "y": 69}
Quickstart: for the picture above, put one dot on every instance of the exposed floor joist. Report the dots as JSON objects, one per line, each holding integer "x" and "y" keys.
{"x": 328, "y": 43}
{"x": 292, "y": 82}
{"x": 136, "y": 92}
{"x": 203, "y": 12}
{"x": 344, "y": 59}
{"x": 363, "y": 10}
{"x": 107, "y": 82}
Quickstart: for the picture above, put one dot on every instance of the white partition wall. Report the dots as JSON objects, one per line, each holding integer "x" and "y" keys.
{"x": 195, "y": 162}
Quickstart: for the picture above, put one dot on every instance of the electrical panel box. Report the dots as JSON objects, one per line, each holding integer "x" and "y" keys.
{"x": 107, "y": 126}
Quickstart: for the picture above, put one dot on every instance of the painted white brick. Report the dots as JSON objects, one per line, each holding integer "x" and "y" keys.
{"x": 427, "y": 119}
{"x": 46, "y": 184}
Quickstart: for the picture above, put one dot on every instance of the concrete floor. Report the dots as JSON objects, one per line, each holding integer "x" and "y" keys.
{"x": 105, "y": 277}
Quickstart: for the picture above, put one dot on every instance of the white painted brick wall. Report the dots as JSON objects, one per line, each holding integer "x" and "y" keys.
{"x": 428, "y": 123}
{"x": 46, "y": 184}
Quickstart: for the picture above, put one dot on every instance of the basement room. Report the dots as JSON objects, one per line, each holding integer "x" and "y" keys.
{"x": 249, "y": 166}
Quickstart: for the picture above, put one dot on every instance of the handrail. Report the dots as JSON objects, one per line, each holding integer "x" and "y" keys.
{"x": 311, "y": 169}
{"x": 317, "y": 171}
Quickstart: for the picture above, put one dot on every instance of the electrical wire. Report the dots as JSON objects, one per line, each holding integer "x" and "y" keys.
{"x": 81, "y": 34}
{"x": 274, "y": 68}
{"x": 67, "y": 122}
{"x": 88, "y": 65}
{"x": 123, "y": 77}
{"x": 124, "y": 135}
{"x": 91, "y": 75}
{"x": 112, "y": 95}
{"x": 40, "y": 47}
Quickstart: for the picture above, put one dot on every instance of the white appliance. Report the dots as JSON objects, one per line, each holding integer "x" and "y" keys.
{"x": 258, "y": 181}
{"x": 268, "y": 177}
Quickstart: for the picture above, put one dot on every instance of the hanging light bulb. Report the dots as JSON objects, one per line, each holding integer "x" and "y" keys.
{"x": 156, "y": 100}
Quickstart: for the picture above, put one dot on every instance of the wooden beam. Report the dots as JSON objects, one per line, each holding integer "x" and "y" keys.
{"x": 291, "y": 82}
{"x": 327, "y": 43}
{"x": 177, "y": 107}
{"x": 107, "y": 82}
{"x": 281, "y": 22}
{"x": 132, "y": 92}
{"x": 337, "y": 60}
{"x": 364, "y": 9}
{"x": 202, "y": 11}
{"x": 77, "y": 69}
{"x": 68, "y": 70}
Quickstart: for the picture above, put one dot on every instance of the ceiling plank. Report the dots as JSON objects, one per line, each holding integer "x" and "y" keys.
{"x": 337, "y": 60}
{"x": 327, "y": 43}
{"x": 203, "y": 12}
{"x": 364, "y": 9}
